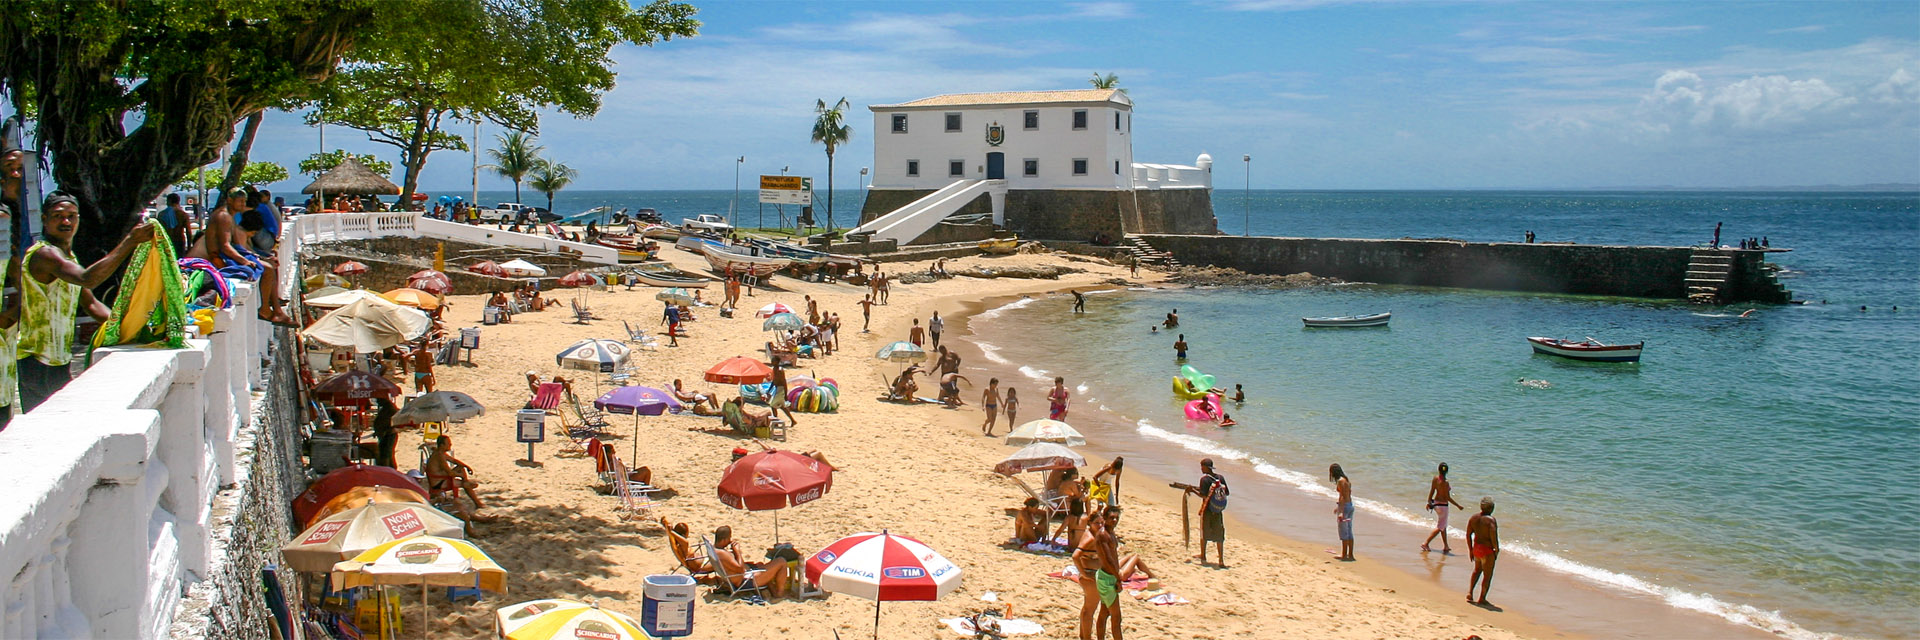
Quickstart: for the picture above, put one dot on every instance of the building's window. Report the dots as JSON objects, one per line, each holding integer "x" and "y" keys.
{"x": 953, "y": 122}
{"x": 1079, "y": 166}
{"x": 1079, "y": 119}
{"x": 1116, "y": 121}
{"x": 899, "y": 123}
{"x": 1032, "y": 167}
{"x": 1129, "y": 123}
{"x": 1033, "y": 121}
{"x": 956, "y": 168}
{"x": 913, "y": 168}
{"x": 1116, "y": 167}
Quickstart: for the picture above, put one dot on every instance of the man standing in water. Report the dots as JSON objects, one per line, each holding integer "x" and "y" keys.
{"x": 1180, "y": 348}
{"x": 1173, "y": 319}
{"x": 1079, "y": 301}
{"x": 1483, "y": 542}
{"x": 1439, "y": 496}
{"x": 1343, "y": 510}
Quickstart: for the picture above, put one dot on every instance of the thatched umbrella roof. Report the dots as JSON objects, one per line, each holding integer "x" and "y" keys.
{"x": 352, "y": 178}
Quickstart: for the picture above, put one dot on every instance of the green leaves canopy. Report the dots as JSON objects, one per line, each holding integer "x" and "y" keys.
{"x": 319, "y": 163}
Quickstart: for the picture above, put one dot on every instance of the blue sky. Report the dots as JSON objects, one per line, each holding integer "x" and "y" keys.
{"x": 1324, "y": 94}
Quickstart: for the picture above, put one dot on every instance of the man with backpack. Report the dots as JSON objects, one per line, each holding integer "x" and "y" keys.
{"x": 1213, "y": 506}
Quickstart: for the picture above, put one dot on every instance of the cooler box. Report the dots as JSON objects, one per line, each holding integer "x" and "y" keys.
{"x": 490, "y": 316}
{"x": 666, "y": 606}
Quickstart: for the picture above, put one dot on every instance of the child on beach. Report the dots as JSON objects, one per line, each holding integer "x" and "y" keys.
{"x": 1057, "y": 399}
{"x": 990, "y": 400}
{"x": 1013, "y": 407}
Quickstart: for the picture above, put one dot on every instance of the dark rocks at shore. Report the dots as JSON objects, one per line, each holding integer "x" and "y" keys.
{"x": 1040, "y": 272}
{"x": 1224, "y": 277}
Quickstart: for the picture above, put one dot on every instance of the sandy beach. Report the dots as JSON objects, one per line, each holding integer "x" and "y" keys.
{"x": 921, "y": 471}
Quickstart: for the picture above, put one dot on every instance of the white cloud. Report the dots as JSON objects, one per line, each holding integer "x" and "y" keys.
{"x": 1102, "y": 10}
{"x": 1811, "y": 28}
{"x": 1682, "y": 101}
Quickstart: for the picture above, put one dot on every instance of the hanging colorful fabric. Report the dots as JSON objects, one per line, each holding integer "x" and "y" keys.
{"x": 152, "y": 305}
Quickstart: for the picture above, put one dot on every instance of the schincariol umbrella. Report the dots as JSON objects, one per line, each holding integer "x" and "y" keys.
{"x": 556, "y": 619}
{"x": 594, "y": 354}
{"x": 772, "y": 480}
{"x": 739, "y": 370}
{"x": 772, "y": 309}
{"x": 883, "y": 568}
{"x": 425, "y": 560}
{"x": 349, "y": 533}
{"x": 783, "y": 322}
{"x": 439, "y": 406}
{"x": 1044, "y": 430}
{"x": 1040, "y": 456}
{"x": 674, "y": 295}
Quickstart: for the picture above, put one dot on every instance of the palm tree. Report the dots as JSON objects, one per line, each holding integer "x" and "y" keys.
{"x": 516, "y": 157}
{"x": 1109, "y": 81}
{"x": 550, "y": 177}
{"x": 830, "y": 129}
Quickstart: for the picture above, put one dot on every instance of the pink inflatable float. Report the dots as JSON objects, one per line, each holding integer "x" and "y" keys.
{"x": 1205, "y": 409}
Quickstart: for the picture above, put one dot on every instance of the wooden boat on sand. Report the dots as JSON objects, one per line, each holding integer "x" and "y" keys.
{"x": 1000, "y": 246}
{"x": 664, "y": 275}
{"x": 628, "y": 246}
{"x": 1374, "y": 320}
{"x": 660, "y": 232}
{"x": 1590, "y": 350}
{"x": 724, "y": 259}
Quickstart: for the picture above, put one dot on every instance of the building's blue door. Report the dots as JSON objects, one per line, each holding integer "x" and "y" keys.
{"x": 996, "y": 166}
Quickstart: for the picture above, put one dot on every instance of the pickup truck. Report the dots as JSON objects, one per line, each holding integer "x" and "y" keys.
{"x": 709, "y": 223}
{"x": 514, "y": 211}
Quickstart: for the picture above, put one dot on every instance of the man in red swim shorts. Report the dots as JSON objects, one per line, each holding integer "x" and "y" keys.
{"x": 1483, "y": 540}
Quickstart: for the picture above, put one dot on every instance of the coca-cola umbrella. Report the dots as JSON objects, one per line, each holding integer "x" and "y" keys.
{"x": 772, "y": 480}
{"x": 344, "y": 479}
{"x": 577, "y": 279}
{"x": 883, "y": 567}
{"x": 431, "y": 281}
{"x": 350, "y": 268}
{"x": 488, "y": 268}
{"x": 353, "y": 388}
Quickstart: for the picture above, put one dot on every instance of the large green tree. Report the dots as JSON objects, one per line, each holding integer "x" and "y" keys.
{"x": 830, "y": 129}
{"x": 498, "y": 60}
{"x": 129, "y": 95}
{"x": 255, "y": 174}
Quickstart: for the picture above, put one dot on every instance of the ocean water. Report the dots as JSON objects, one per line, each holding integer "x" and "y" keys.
{"x": 674, "y": 205}
{"x": 1764, "y": 469}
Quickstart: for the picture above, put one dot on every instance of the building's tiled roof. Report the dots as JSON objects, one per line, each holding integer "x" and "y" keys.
{"x": 1014, "y": 97}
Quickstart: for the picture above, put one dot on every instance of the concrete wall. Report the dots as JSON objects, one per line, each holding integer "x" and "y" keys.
{"x": 323, "y": 227}
{"x": 392, "y": 259}
{"x": 1079, "y": 215}
{"x": 1054, "y": 144}
{"x": 1643, "y": 272}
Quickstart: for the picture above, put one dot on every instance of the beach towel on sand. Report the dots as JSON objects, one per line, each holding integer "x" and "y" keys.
{"x": 1073, "y": 573}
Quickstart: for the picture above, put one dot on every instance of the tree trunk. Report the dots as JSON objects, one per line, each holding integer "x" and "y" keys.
{"x": 516, "y": 191}
{"x": 415, "y": 156}
{"x": 829, "y": 188}
{"x": 238, "y": 163}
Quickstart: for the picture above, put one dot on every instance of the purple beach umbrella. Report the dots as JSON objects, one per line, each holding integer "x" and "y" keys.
{"x": 637, "y": 401}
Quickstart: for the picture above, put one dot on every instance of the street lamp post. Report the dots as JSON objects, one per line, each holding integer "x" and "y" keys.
{"x": 733, "y": 206}
{"x": 1246, "y": 198}
{"x": 863, "y": 191}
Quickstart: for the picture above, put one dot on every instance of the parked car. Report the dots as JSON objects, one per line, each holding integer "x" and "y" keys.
{"x": 510, "y": 212}
{"x": 709, "y": 223}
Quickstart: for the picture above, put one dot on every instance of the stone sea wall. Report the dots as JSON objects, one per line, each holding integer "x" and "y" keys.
{"x": 1059, "y": 214}
{"x": 1642, "y": 272}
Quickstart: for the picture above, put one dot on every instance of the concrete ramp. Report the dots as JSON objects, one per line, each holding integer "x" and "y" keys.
{"x": 907, "y": 223}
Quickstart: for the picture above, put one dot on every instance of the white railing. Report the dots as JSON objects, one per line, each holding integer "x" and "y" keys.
{"x": 321, "y": 227}
{"x": 110, "y": 483}
{"x": 907, "y": 223}
{"x": 1170, "y": 176}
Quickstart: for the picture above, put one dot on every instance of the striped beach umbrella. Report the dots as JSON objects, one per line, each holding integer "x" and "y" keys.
{"x": 351, "y": 532}
{"x": 772, "y": 309}
{"x": 594, "y": 354}
{"x": 783, "y": 322}
{"x": 565, "y": 620}
{"x": 902, "y": 351}
{"x": 883, "y": 567}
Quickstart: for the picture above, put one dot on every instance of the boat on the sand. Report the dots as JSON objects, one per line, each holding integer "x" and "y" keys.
{"x": 724, "y": 259}
{"x": 1590, "y": 350}
{"x": 1000, "y": 246}
{"x": 664, "y": 275}
{"x": 1374, "y": 320}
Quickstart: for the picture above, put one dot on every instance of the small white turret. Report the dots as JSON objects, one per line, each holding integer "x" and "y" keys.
{"x": 1205, "y": 162}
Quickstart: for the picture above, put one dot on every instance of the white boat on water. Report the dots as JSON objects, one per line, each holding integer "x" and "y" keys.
{"x": 1590, "y": 350}
{"x": 724, "y": 260}
{"x": 1375, "y": 320}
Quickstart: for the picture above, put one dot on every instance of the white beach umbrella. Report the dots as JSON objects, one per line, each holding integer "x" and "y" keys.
{"x": 883, "y": 567}
{"x": 339, "y": 299}
{"x": 772, "y": 310}
{"x": 1040, "y": 456}
{"x": 594, "y": 354}
{"x": 439, "y": 406}
{"x": 518, "y": 267}
{"x": 369, "y": 325}
{"x": 1044, "y": 430}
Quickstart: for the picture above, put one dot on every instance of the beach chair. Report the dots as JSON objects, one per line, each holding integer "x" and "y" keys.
{"x": 589, "y": 416}
{"x": 695, "y": 549}
{"x": 640, "y": 338}
{"x": 747, "y": 586}
{"x": 636, "y": 498}
{"x": 547, "y": 396}
{"x": 581, "y": 314}
{"x": 1055, "y": 504}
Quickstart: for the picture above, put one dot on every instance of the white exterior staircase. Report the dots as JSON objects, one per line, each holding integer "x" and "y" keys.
{"x": 905, "y": 224}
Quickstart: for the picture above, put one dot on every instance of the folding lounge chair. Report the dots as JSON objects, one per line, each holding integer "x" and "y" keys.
{"x": 747, "y": 586}
{"x": 636, "y": 498}
{"x": 581, "y": 314}
{"x": 589, "y": 416}
{"x": 640, "y": 337}
{"x": 695, "y": 549}
{"x": 547, "y": 396}
{"x": 1054, "y": 504}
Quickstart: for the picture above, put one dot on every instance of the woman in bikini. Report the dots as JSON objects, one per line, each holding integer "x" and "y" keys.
{"x": 1057, "y": 399}
{"x": 1013, "y": 406}
{"x": 1086, "y": 561}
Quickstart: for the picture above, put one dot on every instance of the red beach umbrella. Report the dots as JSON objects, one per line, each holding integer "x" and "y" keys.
{"x": 774, "y": 479}
{"x": 883, "y": 568}
{"x": 431, "y": 281}
{"x": 577, "y": 279}
{"x": 354, "y": 387}
{"x": 350, "y": 268}
{"x": 344, "y": 479}
{"x": 488, "y": 268}
{"x": 739, "y": 370}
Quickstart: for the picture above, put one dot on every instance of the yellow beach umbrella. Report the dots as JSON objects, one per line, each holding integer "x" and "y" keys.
{"x": 425, "y": 560}
{"x": 564, "y": 620}
{"x": 325, "y": 280}
{"x": 349, "y": 533}
{"x": 413, "y": 298}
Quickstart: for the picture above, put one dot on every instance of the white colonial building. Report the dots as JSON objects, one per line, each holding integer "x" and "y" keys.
{"x": 1007, "y": 152}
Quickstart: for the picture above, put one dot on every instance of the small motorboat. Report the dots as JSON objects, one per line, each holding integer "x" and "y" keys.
{"x": 724, "y": 259}
{"x": 1590, "y": 350}
{"x": 694, "y": 242}
{"x": 660, "y": 232}
{"x": 630, "y": 247}
{"x": 664, "y": 275}
{"x": 802, "y": 254}
{"x": 1375, "y": 320}
{"x": 1000, "y": 246}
